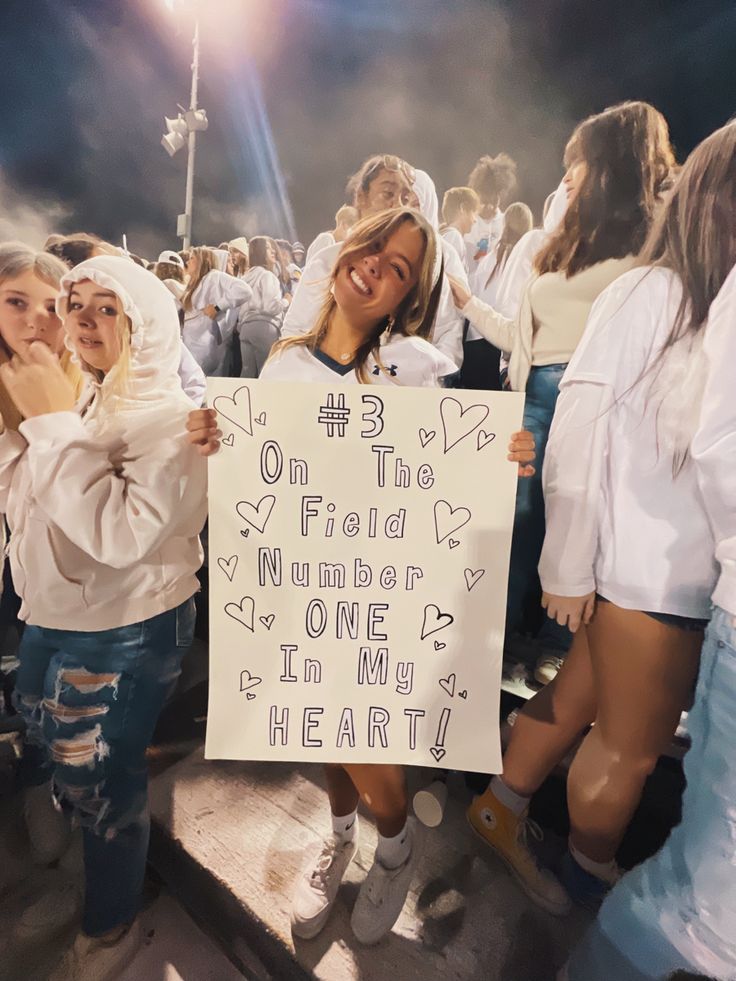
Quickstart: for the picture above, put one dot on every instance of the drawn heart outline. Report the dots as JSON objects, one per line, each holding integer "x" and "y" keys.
{"x": 228, "y": 440}
{"x": 439, "y": 645}
{"x": 257, "y": 515}
{"x": 268, "y": 621}
{"x": 453, "y": 543}
{"x": 448, "y": 519}
{"x": 459, "y": 422}
{"x": 473, "y": 576}
{"x": 261, "y": 419}
{"x": 434, "y": 620}
{"x": 448, "y": 684}
{"x": 243, "y": 612}
{"x": 484, "y": 438}
{"x": 437, "y": 751}
{"x": 228, "y": 566}
{"x": 463, "y": 693}
{"x": 248, "y": 680}
{"x": 426, "y": 436}
{"x": 236, "y": 409}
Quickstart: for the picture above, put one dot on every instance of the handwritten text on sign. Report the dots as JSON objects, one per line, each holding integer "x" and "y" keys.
{"x": 358, "y": 545}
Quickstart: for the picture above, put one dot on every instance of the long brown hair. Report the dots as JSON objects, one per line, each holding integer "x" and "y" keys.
{"x": 414, "y": 317}
{"x": 628, "y": 157}
{"x": 694, "y": 235}
{"x": 517, "y": 221}
{"x": 207, "y": 263}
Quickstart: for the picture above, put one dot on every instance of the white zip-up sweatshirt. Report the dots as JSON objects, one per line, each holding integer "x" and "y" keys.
{"x": 618, "y": 521}
{"x": 714, "y": 445}
{"x": 105, "y": 505}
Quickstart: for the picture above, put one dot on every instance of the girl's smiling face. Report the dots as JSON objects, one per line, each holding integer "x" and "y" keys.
{"x": 27, "y": 313}
{"x": 91, "y": 323}
{"x": 372, "y": 287}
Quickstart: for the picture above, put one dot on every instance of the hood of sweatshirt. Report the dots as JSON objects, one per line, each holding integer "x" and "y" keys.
{"x": 155, "y": 340}
{"x": 221, "y": 258}
{"x": 557, "y": 209}
{"x": 426, "y": 192}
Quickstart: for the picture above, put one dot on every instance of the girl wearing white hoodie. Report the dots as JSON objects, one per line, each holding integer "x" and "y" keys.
{"x": 379, "y": 299}
{"x": 211, "y": 301}
{"x": 105, "y": 503}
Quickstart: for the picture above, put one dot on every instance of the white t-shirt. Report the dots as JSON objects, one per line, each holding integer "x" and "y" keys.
{"x": 617, "y": 520}
{"x": 407, "y": 361}
{"x": 452, "y": 235}
{"x": 485, "y": 286}
{"x": 481, "y": 239}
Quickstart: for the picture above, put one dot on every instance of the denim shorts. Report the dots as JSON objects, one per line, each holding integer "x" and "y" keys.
{"x": 669, "y": 619}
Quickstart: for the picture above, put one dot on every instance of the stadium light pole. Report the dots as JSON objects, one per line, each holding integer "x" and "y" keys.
{"x": 184, "y": 129}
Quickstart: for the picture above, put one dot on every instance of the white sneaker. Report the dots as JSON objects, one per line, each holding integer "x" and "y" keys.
{"x": 48, "y": 828}
{"x": 317, "y": 887}
{"x": 383, "y": 894}
{"x": 547, "y": 668}
{"x": 90, "y": 960}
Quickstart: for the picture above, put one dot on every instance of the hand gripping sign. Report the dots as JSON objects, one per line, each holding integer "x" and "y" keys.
{"x": 359, "y": 543}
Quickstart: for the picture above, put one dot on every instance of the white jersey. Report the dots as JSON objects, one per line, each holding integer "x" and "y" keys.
{"x": 406, "y": 361}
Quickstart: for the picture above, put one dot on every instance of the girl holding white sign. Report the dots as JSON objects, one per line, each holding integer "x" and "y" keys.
{"x": 105, "y": 503}
{"x": 382, "y": 298}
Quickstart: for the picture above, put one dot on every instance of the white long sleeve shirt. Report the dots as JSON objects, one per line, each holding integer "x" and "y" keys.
{"x": 714, "y": 445}
{"x": 207, "y": 338}
{"x": 618, "y": 522}
{"x": 323, "y": 241}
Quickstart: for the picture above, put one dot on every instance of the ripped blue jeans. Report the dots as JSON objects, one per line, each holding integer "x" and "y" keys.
{"x": 91, "y": 701}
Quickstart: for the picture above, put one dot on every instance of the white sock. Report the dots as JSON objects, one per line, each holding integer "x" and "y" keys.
{"x": 345, "y": 828}
{"x": 509, "y": 798}
{"x": 393, "y": 852}
{"x": 601, "y": 870}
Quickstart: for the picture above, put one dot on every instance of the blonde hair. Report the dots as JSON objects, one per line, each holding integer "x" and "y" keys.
{"x": 16, "y": 259}
{"x": 414, "y": 317}
{"x": 346, "y": 215}
{"x": 207, "y": 263}
{"x": 457, "y": 199}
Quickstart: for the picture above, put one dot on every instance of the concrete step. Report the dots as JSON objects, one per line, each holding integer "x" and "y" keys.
{"x": 230, "y": 838}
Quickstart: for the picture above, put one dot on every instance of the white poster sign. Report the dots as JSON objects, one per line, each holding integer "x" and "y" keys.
{"x": 358, "y": 556}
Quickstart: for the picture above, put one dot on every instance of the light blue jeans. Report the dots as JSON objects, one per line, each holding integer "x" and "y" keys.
{"x": 677, "y": 911}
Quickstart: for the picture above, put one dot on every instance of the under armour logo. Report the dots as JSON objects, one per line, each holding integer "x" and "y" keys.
{"x": 392, "y": 369}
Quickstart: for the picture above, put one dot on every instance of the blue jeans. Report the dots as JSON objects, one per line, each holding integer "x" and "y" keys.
{"x": 677, "y": 911}
{"x": 542, "y": 390}
{"x": 91, "y": 701}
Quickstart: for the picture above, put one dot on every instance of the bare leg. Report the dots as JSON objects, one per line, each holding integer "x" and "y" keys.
{"x": 551, "y": 722}
{"x": 644, "y": 672}
{"x": 382, "y": 789}
{"x": 341, "y": 790}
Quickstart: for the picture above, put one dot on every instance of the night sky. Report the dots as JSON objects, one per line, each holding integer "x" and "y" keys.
{"x": 298, "y": 92}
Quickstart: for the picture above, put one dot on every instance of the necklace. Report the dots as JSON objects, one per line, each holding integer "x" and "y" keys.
{"x": 345, "y": 357}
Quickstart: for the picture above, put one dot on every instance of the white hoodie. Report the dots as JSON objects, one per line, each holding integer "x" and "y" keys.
{"x": 309, "y": 295}
{"x": 105, "y": 505}
{"x": 207, "y": 339}
{"x": 267, "y": 302}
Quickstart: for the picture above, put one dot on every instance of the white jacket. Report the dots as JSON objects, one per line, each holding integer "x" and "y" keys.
{"x": 267, "y": 302}
{"x": 617, "y": 520}
{"x": 206, "y": 338}
{"x": 714, "y": 445}
{"x": 105, "y": 505}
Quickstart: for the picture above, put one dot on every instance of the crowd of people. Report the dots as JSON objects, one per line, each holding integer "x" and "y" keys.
{"x": 617, "y": 319}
